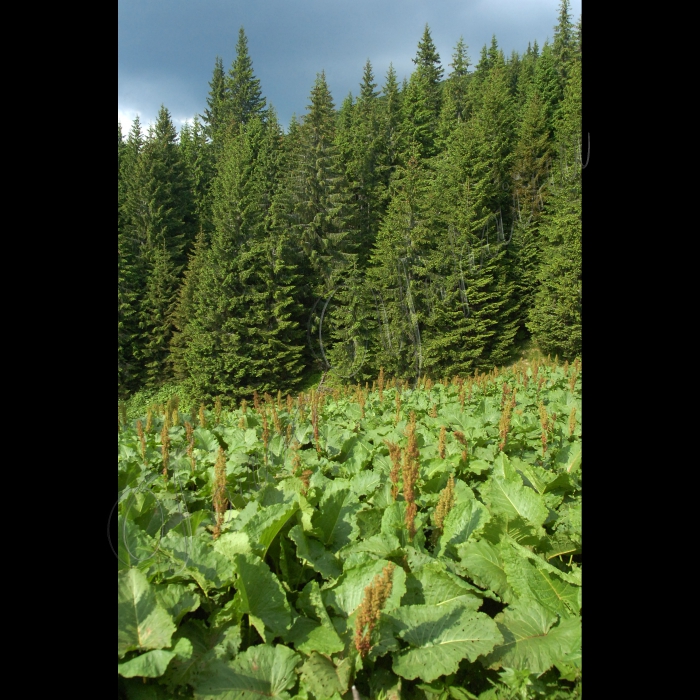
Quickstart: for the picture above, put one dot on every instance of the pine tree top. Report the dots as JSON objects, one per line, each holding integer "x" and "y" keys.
{"x": 427, "y": 59}
{"x": 460, "y": 60}
{"x": 367, "y": 86}
{"x": 243, "y": 88}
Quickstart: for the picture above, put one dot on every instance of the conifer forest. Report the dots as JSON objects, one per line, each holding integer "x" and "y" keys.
{"x": 430, "y": 227}
{"x": 350, "y": 415}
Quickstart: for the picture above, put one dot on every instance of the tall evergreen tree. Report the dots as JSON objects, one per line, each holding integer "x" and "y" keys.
{"x": 215, "y": 115}
{"x": 395, "y": 276}
{"x": 321, "y": 213}
{"x": 364, "y": 157}
{"x": 455, "y": 106}
{"x": 564, "y": 39}
{"x": 474, "y": 312}
{"x": 159, "y": 219}
{"x": 131, "y": 277}
{"x": 196, "y": 157}
{"x": 531, "y": 164}
{"x": 548, "y": 83}
{"x": 184, "y": 310}
{"x": 422, "y": 98}
{"x": 555, "y": 319}
{"x": 241, "y": 336}
{"x": 390, "y": 125}
{"x": 243, "y": 93}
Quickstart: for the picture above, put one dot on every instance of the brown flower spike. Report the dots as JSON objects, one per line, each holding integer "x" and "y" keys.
{"x": 376, "y": 595}
{"x": 220, "y": 501}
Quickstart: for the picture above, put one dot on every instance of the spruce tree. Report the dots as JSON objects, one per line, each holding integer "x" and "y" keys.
{"x": 422, "y": 98}
{"x": 555, "y": 319}
{"x": 321, "y": 213}
{"x": 548, "y": 83}
{"x": 185, "y": 307}
{"x": 131, "y": 276}
{"x": 531, "y": 164}
{"x": 564, "y": 40}
{"x": 395, "y": 276}
{"x": 473, "y": 308}
{"x": 156, "y": 315}
{"x": 455, "y": 106}
{"x": 215, "y": 115}
{"x": 242, "y": 335}
{"x": 159, "y": 218}
{"x": 390, "y": 127}
{"x": 363, "y": 154}
{"x": 243, "y": 93}
{"x": 196, "y": 157}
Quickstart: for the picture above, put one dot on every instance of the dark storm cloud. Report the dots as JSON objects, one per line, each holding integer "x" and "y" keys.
{"x": 167, "y": 48}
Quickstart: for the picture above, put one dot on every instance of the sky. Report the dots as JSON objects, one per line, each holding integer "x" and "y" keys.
{"x": 167, "y": 48}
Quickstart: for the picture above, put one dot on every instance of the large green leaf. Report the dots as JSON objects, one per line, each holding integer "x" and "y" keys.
{"x": 264, "y": 526}
{"x": 573, "y": 577}
{"x": 381, "y": 545}
{"x": 530, "y": 581}
{"x": 484, "y": 563}
{"x": 356, "y": 454}
{"x": 261, "y": 670}
{"x": 312, "y": 551}
{"x": 323, "y": 678}
{"x": 336, "y": 522}
{"x": 569, "y": 458}
{"x": 207, "y": 644}
{"x": 153, "y": 664}
{"x": 177, "y": 599}
{"x": 332, "y": 438}
{"x": 513, "y": 499}
{"x": 149, "y": 665}
{"x": 433, "y": 585}
{"x": 308, "y": 636}
{"x": 310, "y": 602}
{"x": 262, "y": 597}
{"x": 197, "y": 556}
{"x": 440, "y": 637}
{"x": 347, "y": 594}
{"x": 463, "y": 520}
{"x": 134, "y": 547}
{"x": 366, "y": 482}
{"x": 143, "y": 623}
{"x": 530, "y": 639}
{"x": 231, "y": 543}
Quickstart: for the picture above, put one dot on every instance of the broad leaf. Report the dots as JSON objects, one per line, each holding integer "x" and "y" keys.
{"x": 336, "y": 521}
{"x": 513, "y": 499}
{"x": 440, "y": 637}
{"x": 484, "y": 563}
{"x": 308, "y": 636}
{"x": 380, "y": 545}
{"x": 530, "y": 639}
{"x": 262, "y": 597}
{"x": 432, "y": 585}
{"x": 177, "y": 599}
{"x": 264, "y": 526}
{"x": 347, "y": 594}
{"x": 313, "y": 552}
{"x": 149, "y": 665}
{"x": 463, "y": 520}
{"x": 259, "y": 671}
{"x": 197, "y": 556}
{"x": 531, "y": 581}
{"x": 322, "y": 677}
{"x": 143, "y": 622}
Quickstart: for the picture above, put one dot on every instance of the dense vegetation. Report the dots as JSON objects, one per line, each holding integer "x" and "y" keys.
{"x": 429, "y": 228}
{"x": 392, "y": 542}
